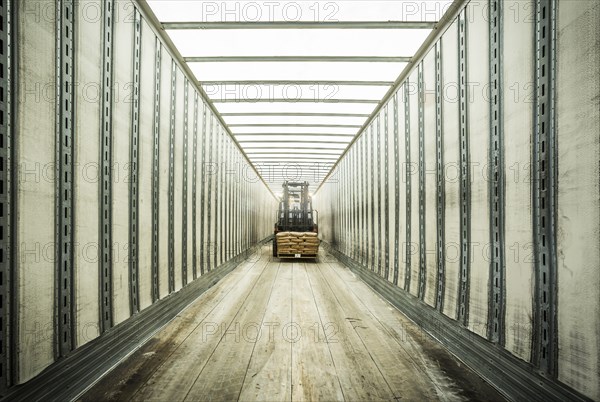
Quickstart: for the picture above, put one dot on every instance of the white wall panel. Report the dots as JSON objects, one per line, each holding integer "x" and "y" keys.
{"x": 86, "y": 179}
{"x": 190, "y": 185}
{"x": 391, "y": 239}
{"x": 121, "y": 137}
{"x": 35, "y": 145}
{"x": 413, "y": 168}
{"x": 178, "y": 177}
{"x": 401, "y": 208}
{"x": 146, "y": 157}
{"x": 479, "y": 133}
{"x": 451, "y": 168}
{"x": 518, "y": 98}
{"x": 429, "y": 120}
{"x": 578, "y": 254}
{"x": 163, "y": 163}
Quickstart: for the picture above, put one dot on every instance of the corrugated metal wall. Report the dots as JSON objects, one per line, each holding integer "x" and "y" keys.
{"x": 490, "y": 197}
{"x": 125, "y": 185}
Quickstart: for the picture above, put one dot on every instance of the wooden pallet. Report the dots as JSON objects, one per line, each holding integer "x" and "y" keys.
{"x": 288, "y": 256}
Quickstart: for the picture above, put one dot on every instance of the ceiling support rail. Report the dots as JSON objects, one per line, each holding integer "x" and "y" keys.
{"x": 183, "y": 25}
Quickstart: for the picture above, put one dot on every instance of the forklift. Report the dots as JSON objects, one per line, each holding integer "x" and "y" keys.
{"x": 296, "y": 218}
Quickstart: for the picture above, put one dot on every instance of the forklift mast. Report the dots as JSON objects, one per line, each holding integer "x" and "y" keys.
{"x": 295, "y": 211}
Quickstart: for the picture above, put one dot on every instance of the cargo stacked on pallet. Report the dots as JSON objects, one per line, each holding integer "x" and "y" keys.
{"x": 297, "y": 244}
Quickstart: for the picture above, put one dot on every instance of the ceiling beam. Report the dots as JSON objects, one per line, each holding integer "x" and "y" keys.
{"x": 292, "y": 142}
{"x": 294, "y": 134}
{"x": 298, "y": 82}
{"x": 300, "y": 25}
{"x": 294, "y": 114}
{"x": 246, "y": 59}
{"x": 308, "y": 148}
{"x": 294, "y": 125}
{"x": 273, "y": 100}
{"x": 277, "y": 164}
{"x": 275, "y": 158}
{"x": 252, "y": 154}
{"x": 292, "y": 157}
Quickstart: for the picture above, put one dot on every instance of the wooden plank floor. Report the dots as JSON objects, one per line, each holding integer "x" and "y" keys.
{"x": 291, "y": 331}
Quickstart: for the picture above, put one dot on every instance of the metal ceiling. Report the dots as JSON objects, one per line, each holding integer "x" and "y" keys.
{"x": 299, "y": 149}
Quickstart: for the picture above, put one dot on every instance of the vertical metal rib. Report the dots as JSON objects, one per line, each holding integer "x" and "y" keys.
{"x": 407, "y": 244}
{"x": 465, "y": 179}
{"x": 195, "y": 191}
{"x": 218, "y": 195}
{"x": 440, "y": 180}
{"x": 209, "y": 194}
{"x": 204, "y": 142}
{"x": 106, "y": 174}
{"x": 64, "y": 177}
{"x": 496, "y": 184}
{"x": 6, "y": 258}
{"x": 346, "y": 207}
{"x": 134, "y": 169}
{"x": 396, "y": 192}
{"x": 226, "y": 209}
{"x": 184, "y": 198}
{"x": 171, "y": 194}
{"x": 155, "y": 171}
{"x": 422, "y": 250}
{"x": 386, "y": 207}
{"x": 544, "y": 186}
{"x": 378, "y": 176}
{"x": 363, "y": 195}
{"x": 372, "y": 158}
{"x": 355, "y": 204}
